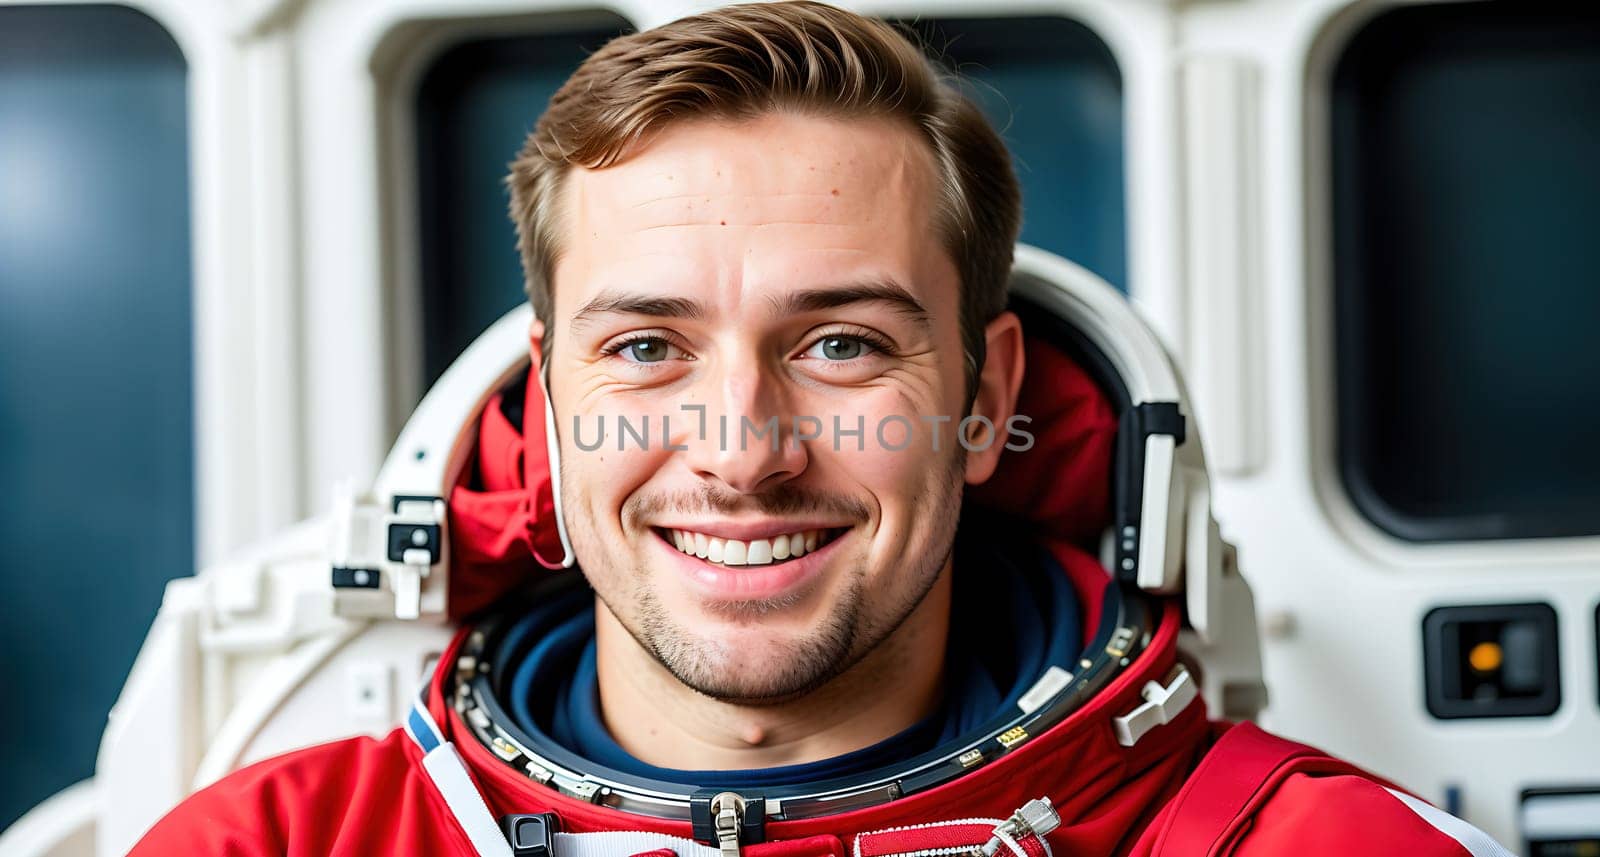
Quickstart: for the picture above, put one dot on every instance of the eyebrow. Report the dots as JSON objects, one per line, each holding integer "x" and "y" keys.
{"x": 629, "y": 303}
{"x": 795, "y": 302}
{"x": 880, "y": 291}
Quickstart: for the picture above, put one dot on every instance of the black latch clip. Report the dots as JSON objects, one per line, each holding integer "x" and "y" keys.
{"x": 531, "y": 835}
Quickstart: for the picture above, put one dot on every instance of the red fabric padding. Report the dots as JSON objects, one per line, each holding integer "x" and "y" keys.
{"x": 1256, "y": 794}
{"x": 505, "y": 528}
{"x": 1063, "y": 484}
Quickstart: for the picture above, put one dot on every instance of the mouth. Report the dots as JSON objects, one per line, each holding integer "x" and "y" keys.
{"x": 768, "y": 567}
{"x": 774, "y": 550}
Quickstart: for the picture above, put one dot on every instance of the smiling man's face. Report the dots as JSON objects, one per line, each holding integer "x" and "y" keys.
{"x": 785, "y": 266}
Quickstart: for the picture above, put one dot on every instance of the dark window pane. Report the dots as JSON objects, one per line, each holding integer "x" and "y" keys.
{"x": 1466, "y": 203}
{"x": 1053, "y": 89}
{"x": 475, "y": 107}
{"x": 95, "y": 392}
{"x": 1050, "y": 84}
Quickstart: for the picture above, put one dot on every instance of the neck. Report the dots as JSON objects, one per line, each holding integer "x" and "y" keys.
{"x": 664, "y": 723}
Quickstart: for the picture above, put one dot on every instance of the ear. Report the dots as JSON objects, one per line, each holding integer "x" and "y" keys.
{"x": 536, "y": 344}
{"x": 999, "y": 381}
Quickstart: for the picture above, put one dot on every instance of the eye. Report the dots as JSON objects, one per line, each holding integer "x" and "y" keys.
{"x": 646, "y": 348}
{"x": 839, "y": 347}
{"x": 646, "y": 351}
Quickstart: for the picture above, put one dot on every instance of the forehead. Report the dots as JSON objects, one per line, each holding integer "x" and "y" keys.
{"x": 753, "y": 204}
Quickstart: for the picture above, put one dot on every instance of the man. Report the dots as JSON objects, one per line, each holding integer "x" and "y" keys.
{"x": 768, "y": 250}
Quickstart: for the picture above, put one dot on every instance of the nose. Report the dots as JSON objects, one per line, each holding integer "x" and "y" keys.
{"x": 748, "y": 443}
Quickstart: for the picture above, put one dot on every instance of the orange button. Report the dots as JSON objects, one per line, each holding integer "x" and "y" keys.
{"x": 1485, "y": 657}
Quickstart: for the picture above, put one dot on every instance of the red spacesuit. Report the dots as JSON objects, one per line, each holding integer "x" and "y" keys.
{"x": 1185, "y": 786}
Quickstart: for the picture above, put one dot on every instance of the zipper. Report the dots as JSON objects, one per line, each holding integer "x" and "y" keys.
{"x": 727, "y": 813}
{"x": 1035, "y": 818}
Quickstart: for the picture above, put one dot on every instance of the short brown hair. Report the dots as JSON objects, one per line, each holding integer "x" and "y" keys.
{"x": 746, "y": 60}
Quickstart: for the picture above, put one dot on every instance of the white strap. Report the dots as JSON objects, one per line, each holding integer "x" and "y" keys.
{"x": 1477, "y": 843}
{"x": 449, "y": 775}
{"x": 420, "y": 726}
{"x": 552, "y": 451}
{"x": 625, "y": 843}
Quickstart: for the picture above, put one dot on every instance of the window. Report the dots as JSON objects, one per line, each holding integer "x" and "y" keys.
{"x": 95, "y": 392}
{"x": 1052, "y": 88}
{"x": 475, "y": 106}
{"x": 1466, "y": 205}
{"x": 1049, "y": 84}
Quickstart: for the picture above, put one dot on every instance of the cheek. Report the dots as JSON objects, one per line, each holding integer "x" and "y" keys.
{"x": 603, "y": 465}
{"x": 886, "y": 471}
{"x": 887, "y": 438}
{"x": 894, "y": 462}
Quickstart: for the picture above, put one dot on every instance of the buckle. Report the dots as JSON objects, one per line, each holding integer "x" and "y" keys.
{"x": 532, "y": 835}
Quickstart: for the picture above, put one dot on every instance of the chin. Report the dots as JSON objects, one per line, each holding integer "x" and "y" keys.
{"x": 754, "y": 683}
{"x": 751, "y": 663}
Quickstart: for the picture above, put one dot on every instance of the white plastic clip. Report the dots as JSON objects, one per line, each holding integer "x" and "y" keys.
{"x": 1161, "y": 705}
{"x": 407, "y": 582}
{"x": 424, "y": 519}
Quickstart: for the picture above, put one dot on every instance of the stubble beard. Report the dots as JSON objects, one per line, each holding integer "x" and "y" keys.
{"x": 847, "y": 635}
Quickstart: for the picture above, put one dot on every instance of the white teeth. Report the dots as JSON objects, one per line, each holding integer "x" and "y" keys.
{"x": 754, "y": 552}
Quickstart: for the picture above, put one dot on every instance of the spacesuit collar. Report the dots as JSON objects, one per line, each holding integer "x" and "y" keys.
{"x": 1101, "y": 789}
{"x": 542, "y": 653}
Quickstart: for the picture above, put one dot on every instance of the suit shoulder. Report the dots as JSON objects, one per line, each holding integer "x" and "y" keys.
{"x": 284, "y": 804}
{"x": 1349, "y": 813}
